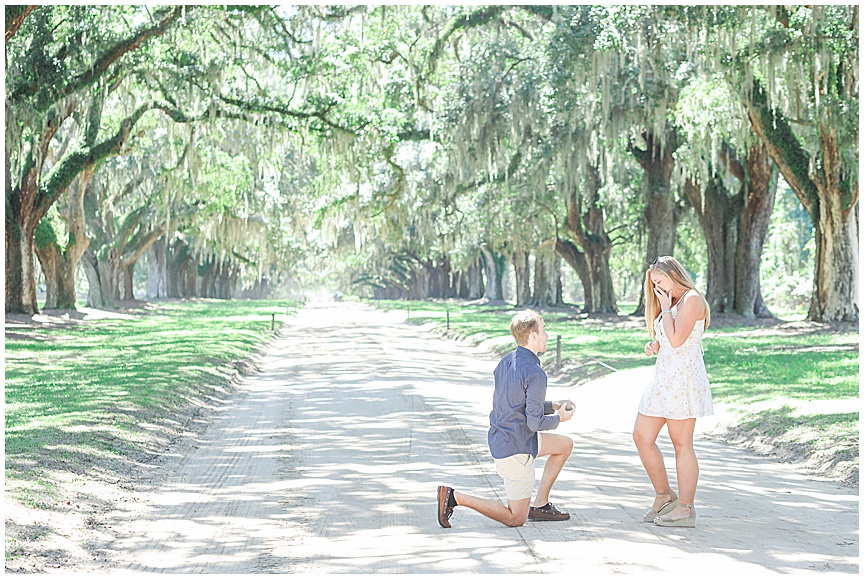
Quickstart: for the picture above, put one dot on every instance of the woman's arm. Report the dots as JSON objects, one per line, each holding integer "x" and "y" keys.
{"x": 691, "y": 309}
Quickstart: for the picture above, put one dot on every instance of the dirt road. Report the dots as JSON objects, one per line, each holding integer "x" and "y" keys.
{"x": 327, "y": 462}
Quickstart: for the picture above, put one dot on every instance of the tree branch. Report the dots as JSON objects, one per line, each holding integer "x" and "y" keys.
{"x": 62, "y": 173}
{"x": 783, "y": 146}
{"x": 543, "y": 11}
{"x": 140, "y": 243}
{"x": 263, "y": 107}
{"x": 120, "y": 49}
{"x": 15, "y": 17}
{"x": 731, "y": 160}
{"x": 101, "y": 65}
{"x": 471, "y": 20}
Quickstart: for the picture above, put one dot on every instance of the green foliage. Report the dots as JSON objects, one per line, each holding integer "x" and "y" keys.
{"x": 45, "y": 233}
{"x": 788, "y": 257}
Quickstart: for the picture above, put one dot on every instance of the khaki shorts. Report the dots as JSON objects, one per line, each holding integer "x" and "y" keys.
{"x": 518, "y": 474}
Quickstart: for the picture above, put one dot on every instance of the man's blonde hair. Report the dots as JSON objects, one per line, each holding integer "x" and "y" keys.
{"x": 523, "y": 325}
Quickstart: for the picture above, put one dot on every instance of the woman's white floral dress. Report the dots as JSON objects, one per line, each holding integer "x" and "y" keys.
{"x": 679, "y": 388}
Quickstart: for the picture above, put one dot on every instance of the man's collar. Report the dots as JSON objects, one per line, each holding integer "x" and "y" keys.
{"x": 529, "y": 352}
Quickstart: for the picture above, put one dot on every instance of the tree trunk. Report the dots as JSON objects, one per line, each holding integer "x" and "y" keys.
{"x": 759, "y": 189}
{"x": 177, "y": 257}
{"x": 476, "y": 288}
{"x": 598, "y": 249}
{"x": 58, "y": 263}
{"x": 523, "y": 282}
{"x": 494, "y": 269}
{"x": 190, "y": 287}
{"x": 836, "y": 276}
{"x": 448, "y": 288}
{"x": 21, "y": 221}
{"x": 658, "y": 161}
{"x": 129, "y": 282}
{"x": 829, "y": 195}
{"x": 576, "y": 259}
{"x": 547, "y": 279}
{"x": 600, "y": 277}
{"x": 556, "y": 276}
{"x": 717, "y": 212}
{"x": 59, "y": 278}
{"x": 100, "y": 276}
{"x": 586, "y": 224}
{"x": 207, "y": 274}
{"x": 734, "y": 228}
{"x": 225, "y": 280}
{"x": 20, "y": 269}
{"x": 49, "y": 258}
{"x": 460, "y": 281}
{"x": 157, "y": 270}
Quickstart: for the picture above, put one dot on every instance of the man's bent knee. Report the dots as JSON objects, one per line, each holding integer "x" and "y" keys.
{"x": 516, "y": 520}
{"x": 556, "y": 444}
{"x": 518, "y": 512}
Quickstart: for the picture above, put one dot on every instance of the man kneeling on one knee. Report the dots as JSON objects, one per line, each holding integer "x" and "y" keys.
{"x": 519, "y": 413}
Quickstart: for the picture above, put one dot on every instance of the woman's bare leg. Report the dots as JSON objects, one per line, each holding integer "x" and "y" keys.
{"x": 686, "y": 465}
{"x": 645, "y": 433}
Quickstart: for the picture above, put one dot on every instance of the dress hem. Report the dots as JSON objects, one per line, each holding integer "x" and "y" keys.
{"x": 672, "y": 417}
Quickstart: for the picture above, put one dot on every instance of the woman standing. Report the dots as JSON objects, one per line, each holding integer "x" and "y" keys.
{"x": 676, "y": 315}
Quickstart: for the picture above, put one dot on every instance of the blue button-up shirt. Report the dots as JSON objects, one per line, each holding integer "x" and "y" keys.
{"x": 519, "y": 408}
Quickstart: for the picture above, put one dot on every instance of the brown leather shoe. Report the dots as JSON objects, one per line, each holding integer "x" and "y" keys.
{"x": 547, "y": 513}
{"x": 444, "y": 512}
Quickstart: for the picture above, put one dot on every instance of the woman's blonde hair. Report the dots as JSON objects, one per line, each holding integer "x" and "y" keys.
{"x": 523, "y": 325}
{"x": 681, "y": 281}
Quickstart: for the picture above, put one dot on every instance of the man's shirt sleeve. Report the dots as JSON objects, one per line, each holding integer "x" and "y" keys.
{"x": 535, "y": 404}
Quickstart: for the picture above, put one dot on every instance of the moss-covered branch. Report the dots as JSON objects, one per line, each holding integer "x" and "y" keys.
{"x": 512, "y": 167}
{"x": 141, "y": 242}
{"x": 783, "y": 146}
{"x": 71, "y": 164}
{"x": 99, "y": 67}
{"x": 261, "y": 106}
{"x": 471, "y": 20}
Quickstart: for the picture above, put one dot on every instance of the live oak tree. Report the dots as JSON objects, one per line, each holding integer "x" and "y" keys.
{"x": 731, "y": 193}
{"x": 795, "y": 70}
{"x": 61, "y": 61}
{"x": 820, "y": 159}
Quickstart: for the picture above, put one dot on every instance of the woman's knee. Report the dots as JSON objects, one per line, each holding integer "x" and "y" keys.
{"x": 645, "y": 430}
{"x": 643, "y": 439}
{"x": 682, "y": 439}
{"x": 683, "y": 446}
